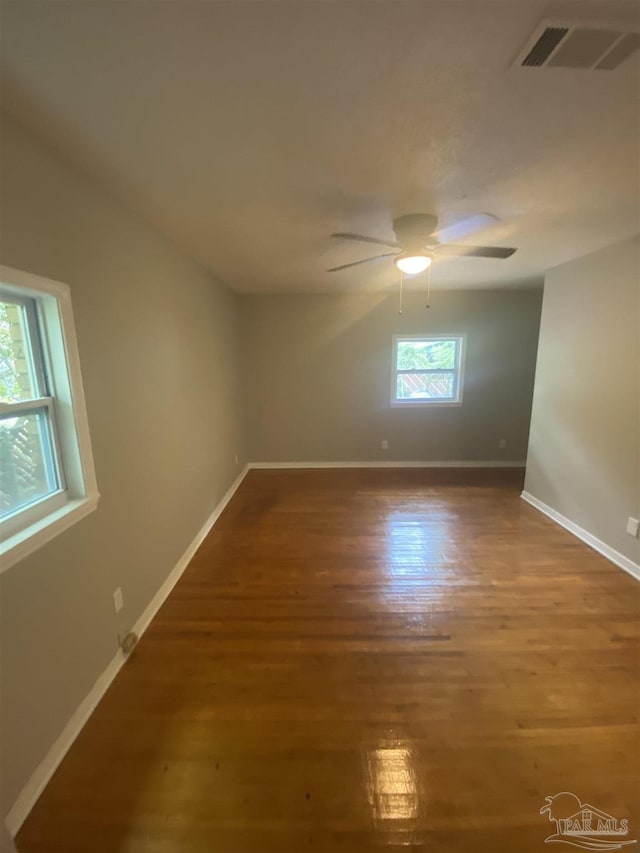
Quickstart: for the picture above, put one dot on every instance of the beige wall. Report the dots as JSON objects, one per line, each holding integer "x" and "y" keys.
{"x": 584, "y": 448}
{"x": 157, "y": 342}
{"x": 317, "y": 376}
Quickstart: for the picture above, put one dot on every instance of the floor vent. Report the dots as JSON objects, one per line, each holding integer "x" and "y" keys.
{"x": 584, "y": 46}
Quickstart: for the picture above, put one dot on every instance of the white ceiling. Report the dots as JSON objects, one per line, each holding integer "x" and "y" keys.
{"x": 248, "y": 131}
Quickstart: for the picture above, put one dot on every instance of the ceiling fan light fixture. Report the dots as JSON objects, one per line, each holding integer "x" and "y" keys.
{"x": 412, "y": 264}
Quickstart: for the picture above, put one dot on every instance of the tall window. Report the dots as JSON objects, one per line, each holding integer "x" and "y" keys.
{"x": 29, "y": 455}
{"x": 428, "y": 371}
{"x": 46, "y": 470}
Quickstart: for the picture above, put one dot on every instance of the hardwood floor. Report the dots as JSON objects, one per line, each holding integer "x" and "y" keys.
{"x": 364, "y": 660}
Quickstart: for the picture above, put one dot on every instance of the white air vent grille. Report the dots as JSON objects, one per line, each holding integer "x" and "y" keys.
{"x": 585, "y": 46}
{"x": 545, "y": 45}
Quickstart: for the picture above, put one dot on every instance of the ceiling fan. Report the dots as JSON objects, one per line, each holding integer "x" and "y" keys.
{"x": 417, "y": 243}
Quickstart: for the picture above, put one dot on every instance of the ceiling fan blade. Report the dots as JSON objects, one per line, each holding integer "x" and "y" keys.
{"x": 465, "y": 227}
{"x": 474, "y": 251}
{"x": 362, "y": 239}
{"x": 363, "y": 261}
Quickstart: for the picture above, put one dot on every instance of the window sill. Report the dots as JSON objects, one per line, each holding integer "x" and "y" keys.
{"x": 425, "y": 404}
{"x": 26, "y": 541}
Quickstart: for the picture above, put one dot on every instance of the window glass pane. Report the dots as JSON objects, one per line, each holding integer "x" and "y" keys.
{"x": 429, "y": 355}
{"x": 425, "y": 386}
{"x": 17, "y": 375}
{"x": 27, "y": 471}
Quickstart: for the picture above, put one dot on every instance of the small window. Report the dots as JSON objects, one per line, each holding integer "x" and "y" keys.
{"x": 427, "y": 371}
{"x": 47, "y": 480}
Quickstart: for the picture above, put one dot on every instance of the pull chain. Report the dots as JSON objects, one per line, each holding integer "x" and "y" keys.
{"x": 401, "y": 287}
{"x": 428, "y": 305}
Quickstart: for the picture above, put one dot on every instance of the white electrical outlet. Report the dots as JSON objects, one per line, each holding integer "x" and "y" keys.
{"x": 236, "y": 458}
{"x": 502, "y": 443}
{"x": 384, "y": 444}
{"x": 632, "y": 526}
{"x": 118, "y": 600}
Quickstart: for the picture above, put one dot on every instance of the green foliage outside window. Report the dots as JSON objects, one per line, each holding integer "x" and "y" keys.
{"x": 426, "y": 355}
{"x": 10, "y": 386}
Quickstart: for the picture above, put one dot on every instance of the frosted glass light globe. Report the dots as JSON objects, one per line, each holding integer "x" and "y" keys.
{"x": 412, "y": 264}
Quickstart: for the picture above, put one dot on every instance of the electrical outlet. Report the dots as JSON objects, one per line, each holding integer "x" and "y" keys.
{"x": 632, "y": 526}
{"x": 236, "y": 458}
{"x": 128, "y": 642}
{"x": 502, "y": 443}
{"x": 384, "y": 444}
{"x": 118, "y": 601}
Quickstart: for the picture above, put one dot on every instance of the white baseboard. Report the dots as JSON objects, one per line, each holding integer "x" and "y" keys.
{"x": 49, "y": 764}
{"x": 47, "y": 767}
{"x": 6, "y": 839}
{"x": 458, "y": 463}
{"x": 161, "y": 595}
{"x": 591, "y": 540}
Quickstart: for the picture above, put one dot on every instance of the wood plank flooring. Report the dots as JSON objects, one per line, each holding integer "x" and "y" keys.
{"x": 364, "y": 660}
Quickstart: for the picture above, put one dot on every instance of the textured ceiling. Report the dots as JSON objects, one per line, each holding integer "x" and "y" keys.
{"x": 248, "y": 131}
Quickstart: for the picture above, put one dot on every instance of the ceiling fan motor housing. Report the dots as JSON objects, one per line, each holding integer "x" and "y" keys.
{"x": 413, "y": 230}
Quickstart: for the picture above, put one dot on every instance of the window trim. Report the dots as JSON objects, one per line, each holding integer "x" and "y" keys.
{"x": 434, "y": 402}
{"x": 79, "y": 494}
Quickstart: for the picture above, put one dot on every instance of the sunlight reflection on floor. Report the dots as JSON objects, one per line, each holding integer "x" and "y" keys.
{"x": 391, "y": 783}
{"x": 420, "y": 551}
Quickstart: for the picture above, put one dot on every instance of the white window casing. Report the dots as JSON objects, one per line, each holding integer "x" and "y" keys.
{"x": 456, "y": 371}
{"x": 76, "y": 493}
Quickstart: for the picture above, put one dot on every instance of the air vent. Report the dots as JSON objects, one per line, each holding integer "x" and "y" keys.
{"x": 584, "y": 46}
{"x": 544, "y": 47}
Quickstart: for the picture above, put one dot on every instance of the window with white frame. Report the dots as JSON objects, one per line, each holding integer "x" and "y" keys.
{"x": 47, "y": 480}
{"x": 428, "y": 371}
